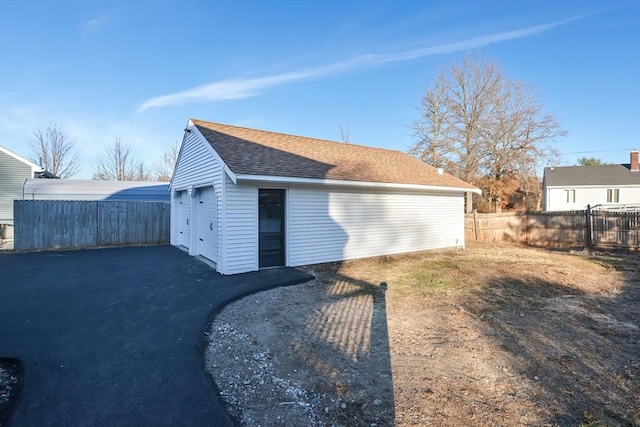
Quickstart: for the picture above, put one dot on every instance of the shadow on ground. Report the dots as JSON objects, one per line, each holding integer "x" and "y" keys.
{"x": 579, "y": 351}
{"x": 316, "y": 354}
{"x": 351, "y": 324}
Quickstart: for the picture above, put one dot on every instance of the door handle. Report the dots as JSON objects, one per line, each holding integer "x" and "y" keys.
{"x": 187, "y": 221}
{"x": 211, "y": 226}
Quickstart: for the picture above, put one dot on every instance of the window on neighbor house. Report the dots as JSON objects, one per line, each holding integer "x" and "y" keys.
{"x": 571, "y": 196}
{"x": 613, "y": 195}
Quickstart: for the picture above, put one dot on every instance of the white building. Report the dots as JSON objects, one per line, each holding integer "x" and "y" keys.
{"x": 249, "y": 199}
{"x": 603, "y": 186}
{"x": 14, "y": 170}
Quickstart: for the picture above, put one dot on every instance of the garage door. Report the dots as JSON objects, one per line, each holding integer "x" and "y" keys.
{"x": 183, "y": 219}
{"x": 207, "y": 224}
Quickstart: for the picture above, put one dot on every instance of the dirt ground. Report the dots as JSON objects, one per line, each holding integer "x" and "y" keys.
{"x": 490, "y": 335}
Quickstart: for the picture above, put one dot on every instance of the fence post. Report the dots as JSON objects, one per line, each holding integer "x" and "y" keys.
{"x": 589, "y": 225}
{"x": 475, "y": 222}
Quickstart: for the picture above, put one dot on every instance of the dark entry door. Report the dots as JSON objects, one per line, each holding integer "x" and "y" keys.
{"x": 271, "y": 228}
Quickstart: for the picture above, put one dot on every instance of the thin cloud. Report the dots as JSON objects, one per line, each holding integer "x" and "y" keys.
{"x": 95, "y": 23}
{"x": 239, "y": 88}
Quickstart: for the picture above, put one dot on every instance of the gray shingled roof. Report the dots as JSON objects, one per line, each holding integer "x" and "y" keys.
{"x": 257, "y": 152}
{"x": 79, "y": 189}
{"x": 591, "y": 175}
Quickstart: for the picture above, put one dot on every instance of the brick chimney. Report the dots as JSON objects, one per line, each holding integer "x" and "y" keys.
{"x": 634, "y": 161}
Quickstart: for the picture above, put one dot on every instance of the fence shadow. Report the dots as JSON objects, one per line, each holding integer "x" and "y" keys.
{"x": 319, "y": 353}
{"x": 349, "y": 325}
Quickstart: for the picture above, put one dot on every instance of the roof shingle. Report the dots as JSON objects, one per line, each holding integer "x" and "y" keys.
{"x": 591, "y": 175}
{"x": 257, "y": 152}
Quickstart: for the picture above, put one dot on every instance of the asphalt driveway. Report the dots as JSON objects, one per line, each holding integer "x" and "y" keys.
{"x": 115, "y": 336}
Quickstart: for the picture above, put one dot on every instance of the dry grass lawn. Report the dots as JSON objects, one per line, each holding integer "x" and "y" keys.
{"x": 490, "y": 335}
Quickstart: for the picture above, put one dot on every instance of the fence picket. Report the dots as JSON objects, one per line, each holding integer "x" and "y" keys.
{"x": 53, "y": 224}
{"x": 569, "y": 228}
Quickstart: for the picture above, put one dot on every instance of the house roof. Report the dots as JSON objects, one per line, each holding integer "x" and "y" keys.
{"x": 591, "y": 175}
{"x": 79, "y": 189}
{"x": 256, "y": 152}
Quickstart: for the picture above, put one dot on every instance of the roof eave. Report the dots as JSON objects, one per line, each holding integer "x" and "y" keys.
{"x": 568, "y": 185}
{"x": 344, "y": 183}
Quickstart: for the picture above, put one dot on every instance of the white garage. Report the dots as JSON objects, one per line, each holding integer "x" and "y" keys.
{"x": 248, "y": 199}
{"x": 195, "y": 222}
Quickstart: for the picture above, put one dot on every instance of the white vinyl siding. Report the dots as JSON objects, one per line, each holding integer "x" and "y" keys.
{"x": 13, "y": 173}
{"x": 240, "y": 249}
{"x": 196, "y": 165}
{"x": 556, "y": 197}
{"x": 336, "y": 224}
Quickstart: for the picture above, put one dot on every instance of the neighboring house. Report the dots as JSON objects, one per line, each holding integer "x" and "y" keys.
{"x": 14, "y": 170}
{"x": 249, "y": 199}
{"x": 79, "y": 189}
{"x": 604, "y": 186}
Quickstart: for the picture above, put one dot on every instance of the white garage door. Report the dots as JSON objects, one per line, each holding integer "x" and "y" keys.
{"x": 183, "y": 219}
{"x": 207, "y": 224}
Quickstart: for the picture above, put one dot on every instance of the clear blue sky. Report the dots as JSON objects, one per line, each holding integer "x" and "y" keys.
{"x": 137, "y": 70}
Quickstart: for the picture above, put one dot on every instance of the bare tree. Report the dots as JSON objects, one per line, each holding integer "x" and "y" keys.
{"x": 344, "y": 134}
{"x": 453, "y": 111}
{"x": 483, "y": 128}
{"x": 164, "y": 167}
{"x": 516, "y": 136}
{"x": 55, "y": 152}
{"x": 431, "y": 147}
{"x": 140, "y": 172}
{"x": 118, "y": 163}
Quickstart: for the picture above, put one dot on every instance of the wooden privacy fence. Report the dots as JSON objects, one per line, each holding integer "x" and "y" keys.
{"x": 54, "y": 224}
{"x": 591, "y": 228}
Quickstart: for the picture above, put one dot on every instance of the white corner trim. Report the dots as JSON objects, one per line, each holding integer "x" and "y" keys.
{"x": 222, "y": 249}
{"x": 341, "y": 183}
{"x": 232, "y": 176}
